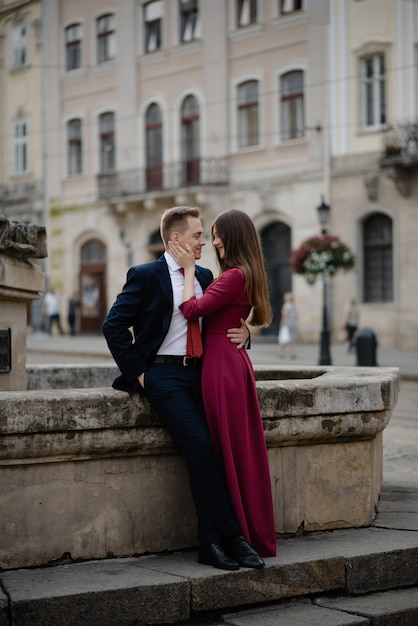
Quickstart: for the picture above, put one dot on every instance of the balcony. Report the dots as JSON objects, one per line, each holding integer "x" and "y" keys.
{"x": 165, "y": 178}
{"x": 22, "y": 201}
{"x": 400, "y": 144}
{"x": 400, "y": 154}
{"x": 21, "y": 192}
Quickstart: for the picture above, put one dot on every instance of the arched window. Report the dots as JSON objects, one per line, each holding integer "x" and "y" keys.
{"x": 92, "y": 286}
{"x": 276, "y": 244}
{"x": 248, "y": 114}
{"x": 378, "y": 258}
{"x": 154, "y": 146}
{"x": 73, "y": 43}
{"x": 292, "y": 123}
{"x": 106, "y": 38}
{"x": 190, "y": 140}
{"x": 94, "y": 251}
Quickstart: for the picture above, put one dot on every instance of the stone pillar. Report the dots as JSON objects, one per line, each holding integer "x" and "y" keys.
{"x": 21, "y": 281}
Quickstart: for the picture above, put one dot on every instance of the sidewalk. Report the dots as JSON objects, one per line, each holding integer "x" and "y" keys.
{"x": 43, "y": 348}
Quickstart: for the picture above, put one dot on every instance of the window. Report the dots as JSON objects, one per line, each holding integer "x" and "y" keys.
{"x": 248, "y": 114}
{"x": 19, "y": 46}
{"x": 374, "y": 90}
{"x": 20, "y": 147}
{"x": 190, "y": 140}
{"x": 106, "y": 38}
{"x": 73, "y": 36}
{"x": 107, "y": 141}
{"x": 290, "y": 6}
{"x": 189, "y": 20}
{"x": 292, "y": 105}
{"x": 93, "y": 251}
{"x": 74, "y": 147}
{"x": 154, "y": 146}
{"x": 378, "y": 258}
{"x": 153, "y": 22}
{"x": 246, "y": 12}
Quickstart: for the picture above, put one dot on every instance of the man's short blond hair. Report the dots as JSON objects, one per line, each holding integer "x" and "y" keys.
{"x": 175, "y": 219}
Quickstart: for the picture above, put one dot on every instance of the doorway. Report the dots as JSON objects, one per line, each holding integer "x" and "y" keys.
{"x": 275, "y": 241}
{"x": 92, "y": 286}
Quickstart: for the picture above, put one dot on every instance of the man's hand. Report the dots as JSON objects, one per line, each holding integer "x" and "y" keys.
{"x": 141, "y": 379}
{"x": 239, "y": 335}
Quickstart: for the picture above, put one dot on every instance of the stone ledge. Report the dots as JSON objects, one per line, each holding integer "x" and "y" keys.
{"x": 342, "y": 404}
{"x": 93, "y": 472}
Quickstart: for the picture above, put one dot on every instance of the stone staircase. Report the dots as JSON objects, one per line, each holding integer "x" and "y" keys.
{"x": 340, "y": 577}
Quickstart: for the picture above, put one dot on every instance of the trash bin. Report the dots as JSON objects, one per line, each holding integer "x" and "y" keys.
{"x": 366, "y": 347}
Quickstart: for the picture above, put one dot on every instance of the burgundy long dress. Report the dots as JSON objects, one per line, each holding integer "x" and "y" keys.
{"x": 232, "y": 409}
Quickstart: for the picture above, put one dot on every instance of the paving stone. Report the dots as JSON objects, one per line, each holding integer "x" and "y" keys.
{"x": 116, "y": 592}
{"x": 389, "y": 608}
{"x": 4, "y": 610}
{"x": 387, "y": 570}
{"x": 273, "y": 583}
{"x": 398, "y": 508}
{"x": 298, "y": 614}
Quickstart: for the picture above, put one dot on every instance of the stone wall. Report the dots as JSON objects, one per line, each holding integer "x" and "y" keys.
{"x": 92, "y": 473}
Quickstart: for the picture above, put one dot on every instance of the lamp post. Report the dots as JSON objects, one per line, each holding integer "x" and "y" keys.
{"x": 324, "y": 355}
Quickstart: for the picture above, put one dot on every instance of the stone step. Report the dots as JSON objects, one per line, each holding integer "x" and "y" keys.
{"x": 389, "y": 608}
{"x": 169, "y": 588}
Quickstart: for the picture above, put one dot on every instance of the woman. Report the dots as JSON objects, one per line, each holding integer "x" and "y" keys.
{"x": 289, "y": 320}
{"x": 228, "y": 382}
{"x": 351, "y": 322}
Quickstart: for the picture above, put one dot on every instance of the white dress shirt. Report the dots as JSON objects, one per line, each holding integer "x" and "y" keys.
{"x": 175, "y": 341}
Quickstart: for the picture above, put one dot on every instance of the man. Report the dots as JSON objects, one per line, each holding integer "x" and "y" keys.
{"x": 157, "y": 361}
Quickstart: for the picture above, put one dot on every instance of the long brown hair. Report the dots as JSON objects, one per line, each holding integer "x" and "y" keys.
{"x": 242, "y": 249}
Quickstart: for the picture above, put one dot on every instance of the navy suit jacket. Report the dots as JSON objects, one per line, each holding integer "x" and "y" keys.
{"x": 145, "y": 304}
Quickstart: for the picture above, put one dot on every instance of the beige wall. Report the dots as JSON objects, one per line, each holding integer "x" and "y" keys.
{"x": 274, "y": 181}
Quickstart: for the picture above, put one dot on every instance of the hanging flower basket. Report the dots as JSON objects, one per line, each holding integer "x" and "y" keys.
{"x": 321, "y": 255}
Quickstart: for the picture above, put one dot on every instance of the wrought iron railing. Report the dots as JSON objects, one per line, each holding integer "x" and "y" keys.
{"x": 401, "y": 140}
{"x": 170, "y": 176}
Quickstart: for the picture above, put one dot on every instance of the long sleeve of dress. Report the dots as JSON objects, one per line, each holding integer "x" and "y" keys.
{"x": 229, "y": 287}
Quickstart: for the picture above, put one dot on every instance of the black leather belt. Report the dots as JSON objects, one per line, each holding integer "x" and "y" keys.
{"x": 184, "y": 361}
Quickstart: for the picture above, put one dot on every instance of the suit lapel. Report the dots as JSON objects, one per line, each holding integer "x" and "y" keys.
{"x": 163, "y": 277}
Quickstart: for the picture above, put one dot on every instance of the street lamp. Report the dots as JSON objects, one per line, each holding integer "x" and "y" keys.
{"x": 324, "y": 355}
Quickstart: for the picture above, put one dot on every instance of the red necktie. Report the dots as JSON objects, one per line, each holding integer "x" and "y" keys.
{"x": 194, "y": 338}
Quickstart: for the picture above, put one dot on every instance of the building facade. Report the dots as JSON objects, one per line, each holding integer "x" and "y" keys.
{"x": 260, "y": 105}
{"x": 373, "y": 114}
{"x": 161, "y": 103}
{"x": 21, "y": 123}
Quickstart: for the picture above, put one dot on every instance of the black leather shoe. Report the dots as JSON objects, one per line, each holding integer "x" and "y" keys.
{"x": 213, "y": 554}
{"x": 240, "y": 550}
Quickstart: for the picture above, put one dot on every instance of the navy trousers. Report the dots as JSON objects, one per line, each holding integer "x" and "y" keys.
{"x": 175, "y": 394}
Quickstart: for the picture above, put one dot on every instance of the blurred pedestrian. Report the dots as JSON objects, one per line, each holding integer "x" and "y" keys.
{"x": 351, "y": 323}
{"x": 288, "y": 332}
{"x": 51, "y": 308}
{"x": 73, "y": 306}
